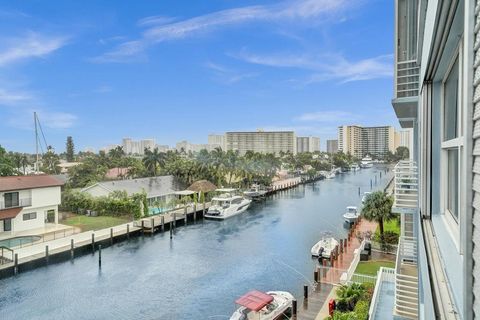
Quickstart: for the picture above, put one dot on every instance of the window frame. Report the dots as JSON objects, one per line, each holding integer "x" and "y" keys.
{"x": 29, "y": 214}
{"x": 452, "y": 223}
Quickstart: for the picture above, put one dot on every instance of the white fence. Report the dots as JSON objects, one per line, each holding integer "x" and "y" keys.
{"x": 347, "y": 276}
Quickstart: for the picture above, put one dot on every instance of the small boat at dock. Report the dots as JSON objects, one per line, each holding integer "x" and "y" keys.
{"x": 331, "y": 174}
{"x": 351, "y": 215}
{"x": 227, "y": 205}
{"x": 324, "y": 248}
{"x": 258, "y": 305}
{"x": 255, "y": 192}
{"x": 366, "y": 162}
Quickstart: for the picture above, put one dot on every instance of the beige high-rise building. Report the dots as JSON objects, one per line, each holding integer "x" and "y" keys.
{"x": 308, "y": 144}
{"x": 332, "y": 146}
{"x": 261, "y": 141}
{"x": 361, "y": 141}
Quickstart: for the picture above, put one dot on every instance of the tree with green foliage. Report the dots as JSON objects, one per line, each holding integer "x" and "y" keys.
{"x": 70, "y": 149}
{"x": 402, "y": 153}
{"x": 378, "y": 207}
{"x": 50, "y": 162}
{"x": 153, "y": 160}
{"x": 7, "y": 167}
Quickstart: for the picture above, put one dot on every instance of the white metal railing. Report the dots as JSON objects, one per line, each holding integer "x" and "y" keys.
{"x": 406, "y": 278}
{"x": 406, "y": 187}
{"x": 407, "y": 79}
{"x": 383, "y": 275}
{"x": 347, "y": 276}
{"x": 24, "y": 202}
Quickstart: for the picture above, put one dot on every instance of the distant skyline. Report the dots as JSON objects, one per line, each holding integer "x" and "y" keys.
{"x": 180, "y": 70}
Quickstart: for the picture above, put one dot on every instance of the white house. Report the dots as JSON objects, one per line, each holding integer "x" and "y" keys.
{"x": 28, "y": 202}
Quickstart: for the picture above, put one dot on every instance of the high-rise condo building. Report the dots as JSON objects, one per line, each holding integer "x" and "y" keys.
{"x": 437, "y": 195}
{"x": 137, "y": 147}
{"x": 308, "y": 144}
{"x": 261, "y": 141}
{"x": 332, "y": 146}
{"x": 361, "y": 141}
{"x": 216, "y": 141}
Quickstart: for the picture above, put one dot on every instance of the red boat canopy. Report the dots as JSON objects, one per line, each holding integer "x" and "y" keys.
{"x": 255, "y": 300}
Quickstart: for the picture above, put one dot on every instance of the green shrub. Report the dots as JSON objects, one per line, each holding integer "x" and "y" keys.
{"x": 361, "y": 310}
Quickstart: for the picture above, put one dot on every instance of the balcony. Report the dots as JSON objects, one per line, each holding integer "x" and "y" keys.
{"x": 25, "y": 202}
{"x": 406, "y": 188}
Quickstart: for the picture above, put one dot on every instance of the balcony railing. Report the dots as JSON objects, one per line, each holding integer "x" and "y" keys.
{"x": 25, "y": 202}
{"x": 406, "y": 187}
{"x": 406, "y": 279}
{"x": 407, "y": 79}
{"x": 383, "y": 275}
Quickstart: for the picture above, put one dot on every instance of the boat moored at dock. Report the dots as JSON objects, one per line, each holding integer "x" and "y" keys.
{"x": 351, "y": 214}
{"x": 227, "y": 204}
{"x": 366, "y": 162}
{"x": 258, "y": 305}
{"x": 324, "y": 248}
{"x": 255, "y": 192}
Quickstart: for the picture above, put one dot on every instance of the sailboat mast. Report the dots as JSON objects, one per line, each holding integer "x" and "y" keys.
{"x": 36, "y": 141}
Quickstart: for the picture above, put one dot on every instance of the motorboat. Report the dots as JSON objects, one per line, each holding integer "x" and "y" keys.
{"x": 227, "y": 204}
{"x": 324, "y": 248}
{"x": 255, "y": 192}
{"x": 351, "y": 214}
{"x": 365, "y": 195}
{"x": 354, "y": 167}
{"x": 257, "y": 305}
{"x": 331, "y": 174}
{"x": 366, "y": 162}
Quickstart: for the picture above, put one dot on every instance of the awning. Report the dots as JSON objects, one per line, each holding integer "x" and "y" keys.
{"x": 184, "y": 193}
{"x": 9, "y": 213}
{"x": 255, "y": 300}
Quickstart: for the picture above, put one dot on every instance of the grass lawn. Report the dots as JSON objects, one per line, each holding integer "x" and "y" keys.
{"x": 94, "y": 223}
{"x": 392, "y": 225}
{"x": 370, "y": 268}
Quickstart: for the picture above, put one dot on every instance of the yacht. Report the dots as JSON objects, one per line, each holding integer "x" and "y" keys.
{"x": 227, "y": 205}
{"x": 255, "y": 192}
{"x": 351, "y": 215}
{"x": 365, "y": 195}
{"x": 257, "y": 305}
{"x": 324, "y": 248}
{"x": 366, "y": 162}
{"x": 354, "y": 167}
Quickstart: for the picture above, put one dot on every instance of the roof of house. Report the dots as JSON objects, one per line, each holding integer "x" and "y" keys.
{"x": 153, "y": 186}
{"x": 116, "y": 173}
{"x": 255, "y": 300}
{"x": 28, "y": 182}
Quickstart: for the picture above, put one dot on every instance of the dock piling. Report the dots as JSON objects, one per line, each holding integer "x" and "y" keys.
{"x": 163, "y": 224}
{"x": 93, "y": 242}
{"x": 15, "y": 264}
{"x": 174, "y": 220}
{"x": 128, "y": 231}
{"x": 99, "y": 255}
{"x": 111, "y": 236}
{"x": 371, "y": 184}
{"x": 143, "y": 227}
{"x": 171, "y": 230}
{"x": 153, "y": 225}
{"x": 305, "y": 292}
{"x": 72, "y": 249}
{"x": 358, "y": 191}
{"x": 46, "y": 254}
{"x": 315, "y": 276}
{"x": 294, "y": 308}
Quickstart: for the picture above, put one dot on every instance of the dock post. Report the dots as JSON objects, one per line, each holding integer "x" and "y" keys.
{"x": 203, "y": 209}
{"x": 153, "y": 225}
{"x": 163, "y": 223}
{"x": 171, "y": 230}
{"x": 294, "y": 308}
{"x": 358, "y": 191}
{"x": 305, "y": 292}
{"x": 128, "y": 231}
{"x": 99, "y": 255}
{"x": 143, "y": 226}
{"x": 93, "y": 242}
{"x": 46, "y": 254}
{"x": 174, "y": 220}
{"x": 15, "y": 264}
{"x": 315, "y": 275}
{"x": 72, "y": 249}
{"x": 380, "y": 174}
{"x": 111, "y": 236}
{"x": 186, "y": 216}
{"x": 371, "y": 184}
{"x": 341, "y": 245}
{"x": 375, "y": 179}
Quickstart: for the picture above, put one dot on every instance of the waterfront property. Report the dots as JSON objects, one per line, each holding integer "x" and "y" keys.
{"x": 437, "y": 94}
{"x": 28, "y": 203}
{"x": 261, "y": 141}
{"x": 162, "y": 189}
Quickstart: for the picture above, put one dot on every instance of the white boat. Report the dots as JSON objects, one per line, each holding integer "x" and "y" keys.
{"x": 324, "y": 248}
{"x": 227, "y": 205}
{"x": 331, "y": 174}
{"x": 354, "y": 167}
{"x": 366, "y": 162}
{"x": 257, "y": 305}
{"x": 365, "y": 195}
{"x": 255, "y": 192}
{"x": 351, "y": 215}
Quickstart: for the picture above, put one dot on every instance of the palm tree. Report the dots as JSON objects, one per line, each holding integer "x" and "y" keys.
{"x": 351, "y": 294}
{"x": 24, "y": 162}
{"x": 153, "y": 159}
{"x": 378, "y": 207}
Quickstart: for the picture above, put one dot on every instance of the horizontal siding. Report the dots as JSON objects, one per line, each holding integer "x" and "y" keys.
{"x": 476, "y": 167}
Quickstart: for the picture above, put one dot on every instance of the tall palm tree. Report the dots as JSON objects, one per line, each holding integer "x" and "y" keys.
{"x": 153, "y": 160}
{"x": 24, "y": 163}
{"x": 378, "y": 207}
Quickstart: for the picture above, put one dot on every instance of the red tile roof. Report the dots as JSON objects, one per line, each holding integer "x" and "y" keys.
{"x": 9, "y": 213}
{"x": 28, "y": 182}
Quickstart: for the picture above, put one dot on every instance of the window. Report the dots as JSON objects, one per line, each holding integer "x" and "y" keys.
{"x": 452, "y": 143}
{"x": 29, "y": 216}
{"x": 11, "y": 199}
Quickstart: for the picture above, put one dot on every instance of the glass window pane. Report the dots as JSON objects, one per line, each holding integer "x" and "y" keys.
{"x": 450, "y": 114}
{"x": 452, "y": 196}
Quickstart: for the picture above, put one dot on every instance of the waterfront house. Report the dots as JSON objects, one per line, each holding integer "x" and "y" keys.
{"x": 437, "y": 94}
{"x": 28, "y": 203}
{"x": 163, "y": 188}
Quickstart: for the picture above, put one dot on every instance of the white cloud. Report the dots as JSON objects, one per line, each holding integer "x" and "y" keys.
{"x": 326, "y": 67}
{"x": 22, "y": 118}
{"x": 33, "y": 45}
{"x": 8, "y": 97}
{"x": 227, "y": 75}
{"x": 160, "y": 30}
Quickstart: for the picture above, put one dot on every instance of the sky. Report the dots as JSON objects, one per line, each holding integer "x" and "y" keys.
{"x": 178, "y": 70}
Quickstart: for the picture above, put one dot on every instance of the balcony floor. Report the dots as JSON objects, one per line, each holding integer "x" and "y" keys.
{"x": 385, "y": 302}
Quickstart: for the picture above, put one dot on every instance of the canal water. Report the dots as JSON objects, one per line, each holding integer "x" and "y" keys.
{"x": 203, "y": 270}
